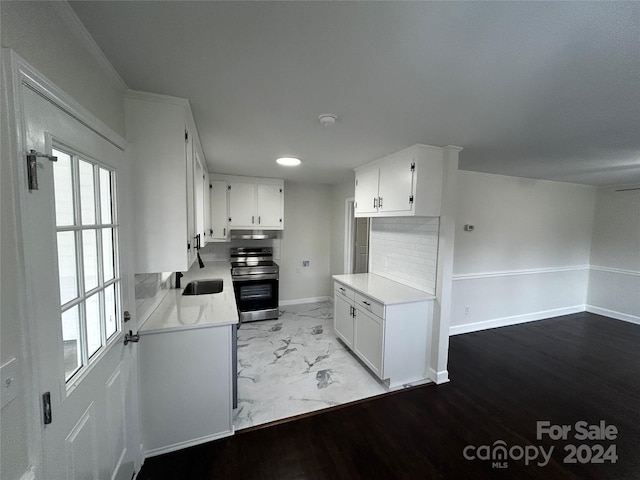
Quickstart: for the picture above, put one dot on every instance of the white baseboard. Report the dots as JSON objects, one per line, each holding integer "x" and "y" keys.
{"x": 514, "y": 320}
{"x": 438, "y": 377}
{"x": 625, "y": 317}
{"x": 300, "y": 301}
{"x": 191, "y": 443}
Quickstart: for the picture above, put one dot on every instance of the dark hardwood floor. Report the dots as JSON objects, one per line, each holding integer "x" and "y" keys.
{"x": 581, "y": 367}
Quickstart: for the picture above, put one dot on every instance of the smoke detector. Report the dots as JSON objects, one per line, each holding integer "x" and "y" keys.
{"x": 327, "y": 119}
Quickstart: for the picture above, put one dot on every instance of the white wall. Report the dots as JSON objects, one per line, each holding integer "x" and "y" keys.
{"x": 307, "y": 236}
{"x": 339, "y": 194}
{"x": 528, "y": 256}
{"x": 614, "y": 281}
{"x": 47, "y": 35}
{"x": 40, "y": 33}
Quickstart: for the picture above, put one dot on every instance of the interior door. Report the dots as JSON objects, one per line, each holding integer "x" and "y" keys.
{"x": 361, "y": 245}
{"x": 77, "y": 241}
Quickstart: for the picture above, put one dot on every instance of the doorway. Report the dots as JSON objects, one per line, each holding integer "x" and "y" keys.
{"x": 356, "y": 240}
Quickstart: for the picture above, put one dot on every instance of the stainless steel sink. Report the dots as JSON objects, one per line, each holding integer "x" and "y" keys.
{"x": 203, "y": 287}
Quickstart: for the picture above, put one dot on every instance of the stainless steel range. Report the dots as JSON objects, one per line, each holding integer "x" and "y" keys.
{"x": 255, "y": 282}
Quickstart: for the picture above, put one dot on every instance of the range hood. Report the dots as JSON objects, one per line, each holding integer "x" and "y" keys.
{"x": 253, "y": 234}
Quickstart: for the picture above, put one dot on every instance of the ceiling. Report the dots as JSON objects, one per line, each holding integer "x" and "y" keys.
{"x": 541, "y": 90}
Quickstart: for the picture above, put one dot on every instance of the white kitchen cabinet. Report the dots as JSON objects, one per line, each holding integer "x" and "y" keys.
{"x": 185, "y": 387}
{"x": 256, "y": 203}
{"x": 406, "y": 183}
{"x": 386, "y": 324}
{"x": 343, "y": 317}
{"x": 162, "y": 139}
{"x": 219, "y": 211}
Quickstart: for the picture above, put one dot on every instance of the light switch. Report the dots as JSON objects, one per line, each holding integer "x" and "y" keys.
{"x": 9, "y": 381}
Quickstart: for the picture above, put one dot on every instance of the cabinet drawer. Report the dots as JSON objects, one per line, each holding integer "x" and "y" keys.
{"x": 369, "y": 304}
{"x": 343, "y": 290}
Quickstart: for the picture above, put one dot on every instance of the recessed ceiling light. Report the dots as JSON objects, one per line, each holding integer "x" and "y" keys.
{"x": 327, "y": 119}
{"x": 288, "y": 161}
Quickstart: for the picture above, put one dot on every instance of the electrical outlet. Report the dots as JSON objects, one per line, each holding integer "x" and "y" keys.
{"x": 467, "y": 309}
{"x": 305, "y": 263}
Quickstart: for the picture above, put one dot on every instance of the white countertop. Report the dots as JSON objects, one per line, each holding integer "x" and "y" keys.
{"x": 382, "y": 289}
{"x": 178, "y": 312}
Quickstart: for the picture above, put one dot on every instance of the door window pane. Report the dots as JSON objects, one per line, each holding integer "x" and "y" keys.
{"x": 90, "y": 259}
{"x": 87, "y": 193}
{"x": 105, "y": 195}
{"x": 107, "y": 253}
{"x": 92, "y": 311}
{"x": 67, "y": 266}
{"x": 71, "y": 342}
{"x": 63, "y": 188}
{"x": 110, "y": 310}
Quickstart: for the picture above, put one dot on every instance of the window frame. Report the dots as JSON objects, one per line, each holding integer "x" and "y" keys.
{"x": 88, "y": 361}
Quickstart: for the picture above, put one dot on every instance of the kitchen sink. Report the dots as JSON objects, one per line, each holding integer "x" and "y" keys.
{"x": 203, "y": 287}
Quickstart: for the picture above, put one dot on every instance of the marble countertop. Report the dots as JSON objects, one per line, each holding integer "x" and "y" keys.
{"x": 178, "y": 312}
{"x": 382, "y": 289}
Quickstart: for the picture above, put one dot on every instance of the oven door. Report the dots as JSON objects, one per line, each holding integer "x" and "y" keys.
{"x": 256, "y": 292}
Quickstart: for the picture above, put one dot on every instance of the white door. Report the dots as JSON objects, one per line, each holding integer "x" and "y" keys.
{"x": 219, "y": 214}
{"x": 269, "y": 206}
{"x": 77, "y": 243}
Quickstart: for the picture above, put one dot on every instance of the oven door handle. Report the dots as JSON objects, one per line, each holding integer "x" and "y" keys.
{"x": 252, "y": 278}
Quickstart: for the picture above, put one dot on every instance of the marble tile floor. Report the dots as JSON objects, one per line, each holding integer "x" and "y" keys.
{"x": 295, "y": 365}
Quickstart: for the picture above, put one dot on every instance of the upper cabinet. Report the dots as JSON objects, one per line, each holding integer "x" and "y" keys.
{"x": 406, "y": 183}
{"x": 256, "y": 203}
{"x": 169, "y": 171}
{"x": 218, "y": 190}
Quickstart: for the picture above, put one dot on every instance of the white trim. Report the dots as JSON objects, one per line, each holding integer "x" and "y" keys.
{"x": 439, "y": 377}
{"x": 27, "y": 75}
{"x": 156, "y": 97}
{"x": 632, "y": 273}
{"x": 187, "y": 444}
{"x": 625, "y": 317}
{"x": 76, "y": 27}
{"x": 349, "y": 208}
{"x": 300, "y": 301}
{"x": 514, "y": 320}
{"x": 510, "y": 273}
{"x": 29, "y": 474}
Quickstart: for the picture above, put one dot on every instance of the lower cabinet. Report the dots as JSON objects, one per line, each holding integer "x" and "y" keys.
{"x": 185, "y": 388}
{"x": 391, "y": 339}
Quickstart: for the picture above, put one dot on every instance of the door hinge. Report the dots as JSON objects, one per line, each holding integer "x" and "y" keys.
{"x": 188, "y": 246}
{"x": 280, "y": 190}
{"x": 413, "y": 166}
{"x": 32, "y": 167}
{"x": 410, "y": 199}
{"x": 210, "y": 185}
{"x": 228, "y": 187}
{"x": 46, "y": 408}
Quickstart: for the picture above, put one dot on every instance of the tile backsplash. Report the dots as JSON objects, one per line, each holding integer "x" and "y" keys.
{"x": 219, "y": 251}
{"x": 151, "y": 288}
{"x": 405, "y": 249}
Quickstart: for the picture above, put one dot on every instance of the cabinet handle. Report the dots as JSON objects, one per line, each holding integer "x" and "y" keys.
{"x": 252, "y": 220}
{"x": 342, "y": 289}
{"x": 366, "y": 303}
{"x": 375, "y": 203}
{"x": 258, "y": 219}
{"x": 379, "y": 202}
{"x": 224, "y": 232}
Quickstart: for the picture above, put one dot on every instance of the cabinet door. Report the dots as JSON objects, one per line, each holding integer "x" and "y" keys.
{"x": 342, "y": 319}
{"x": 242, "y": 205}
{"x": 396, "y": 185}
{"x": 366, "y": 191}
{"x": 191, "y": 204}
{"x": 199, "y": 189}
{"x": 269, "y": 206}
{"x": 207, "y": 208}
{"x": 219, "y": 213}
{"x": 368, "y": 340}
